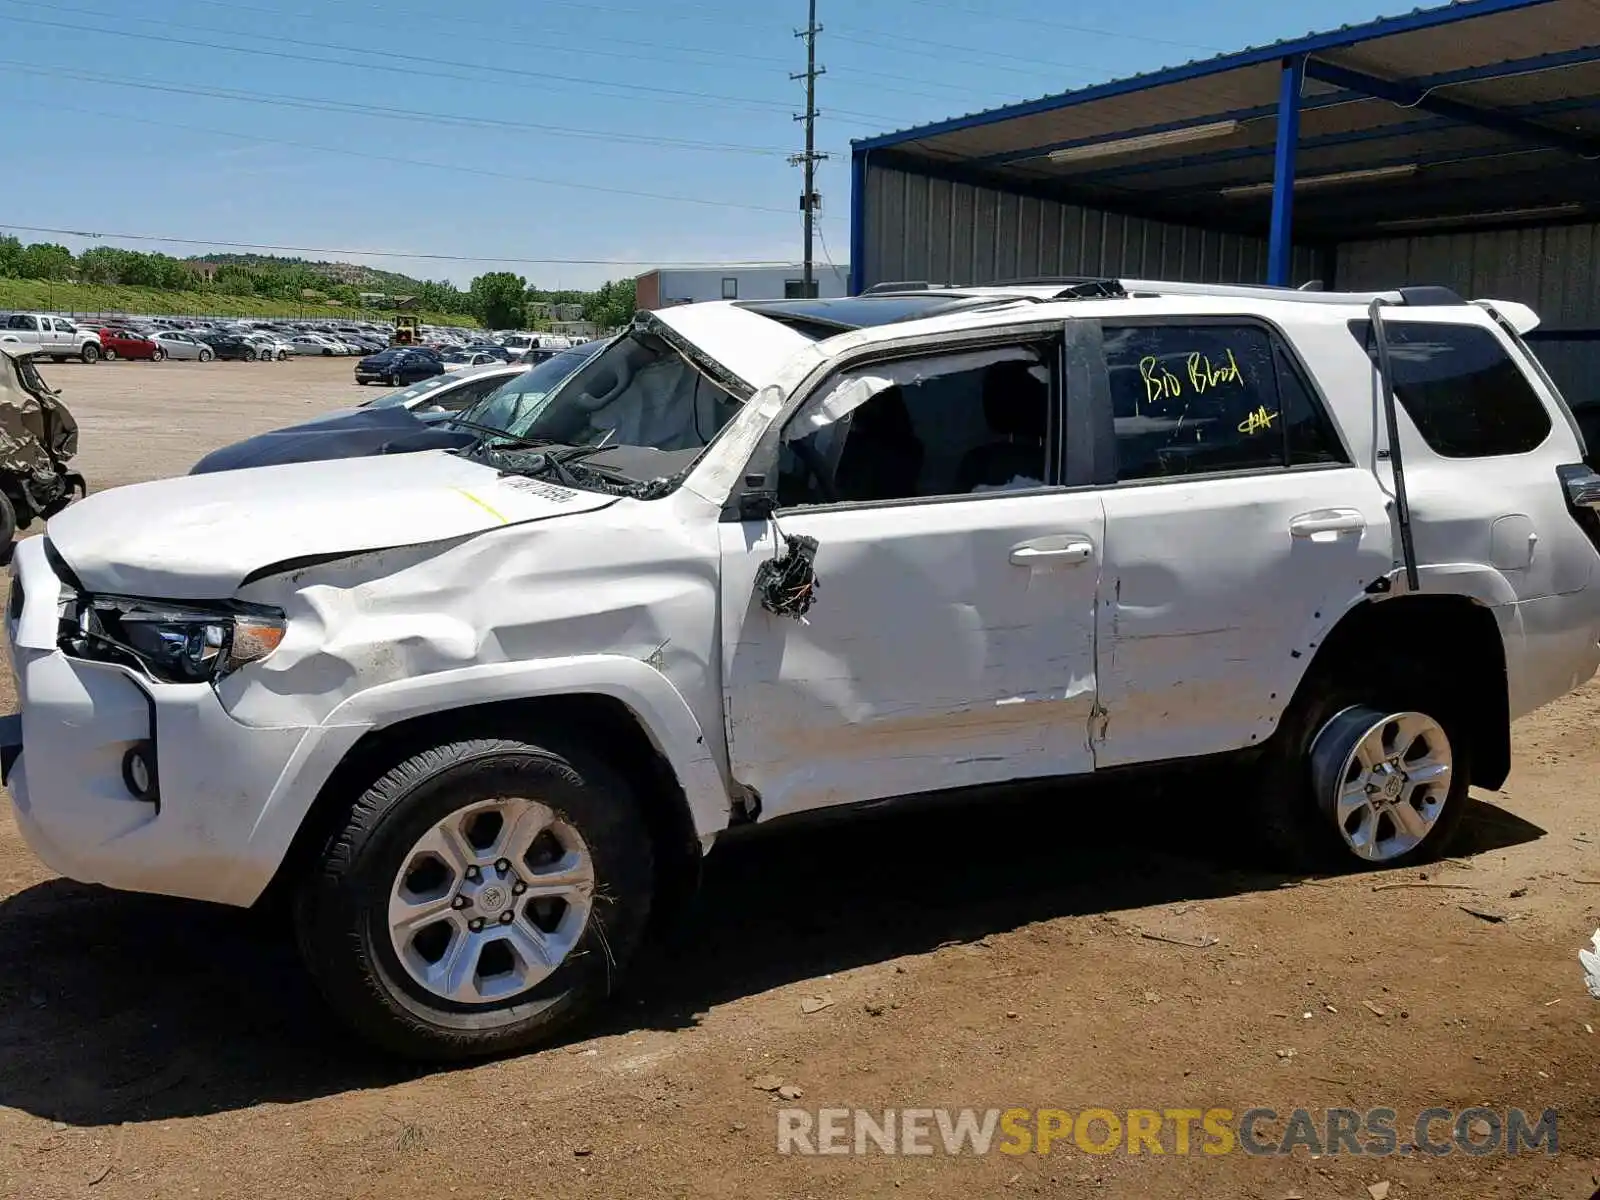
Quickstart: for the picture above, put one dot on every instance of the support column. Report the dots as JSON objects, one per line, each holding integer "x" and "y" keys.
{"x": 1280, "y": 255}
{"x": 858, "y": 221}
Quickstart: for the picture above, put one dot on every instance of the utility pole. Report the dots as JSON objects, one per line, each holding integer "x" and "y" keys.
{"x": 810, "y": 159}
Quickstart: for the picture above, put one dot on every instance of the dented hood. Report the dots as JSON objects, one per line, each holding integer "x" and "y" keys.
{"x": 198, "y": 537}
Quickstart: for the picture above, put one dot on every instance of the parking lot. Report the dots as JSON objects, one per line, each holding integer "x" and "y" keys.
{"x": 1094, "y": 948}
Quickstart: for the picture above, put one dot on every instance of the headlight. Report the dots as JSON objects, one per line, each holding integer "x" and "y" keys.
{"x": 172, "y": 643}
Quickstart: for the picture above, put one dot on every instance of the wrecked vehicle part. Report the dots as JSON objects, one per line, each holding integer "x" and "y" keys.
{"x": 787, "y": 582}
{"x": 38, "y": 438}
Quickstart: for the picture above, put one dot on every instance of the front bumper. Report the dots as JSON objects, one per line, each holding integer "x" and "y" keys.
{"x": 229, "y": 797}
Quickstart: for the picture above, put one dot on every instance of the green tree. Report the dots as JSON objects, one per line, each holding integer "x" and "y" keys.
{"x": 10, "y": 257}
{"x": 497, "y": 299}
{"x": 46, "y": 260}
{"x": 613, "y": 305}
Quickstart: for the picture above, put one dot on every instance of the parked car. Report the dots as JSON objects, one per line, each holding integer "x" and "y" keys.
{"x": 269, "y": 346}
{"x": 482, "y": 712}
{"x": 184, "y": 345}
{"x": 117, "y": 342}
{"x": 418, "y": 417}
{"x": 398, "y": 366}
{"x": 457, "y": 360}
{"x": 230, "y": 347}
{"x": 312, "y": 345}
{"x": 55, "y": 337}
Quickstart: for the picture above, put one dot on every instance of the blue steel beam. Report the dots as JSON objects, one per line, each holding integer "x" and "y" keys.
{"x": 1510, "y": 68}
{"x": 1408, "y": 94}
{"x": 1280, "y": 249}
{"x": 858, "y": 221}
{"x": 1432, "y": 18}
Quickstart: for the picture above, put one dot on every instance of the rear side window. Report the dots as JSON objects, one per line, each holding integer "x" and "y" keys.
{"x": 1199, "y": 399}
{"x": 1460, "y": 388}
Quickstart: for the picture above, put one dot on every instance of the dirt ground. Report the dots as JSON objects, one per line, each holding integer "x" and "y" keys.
{"x": 1097, "y": 948}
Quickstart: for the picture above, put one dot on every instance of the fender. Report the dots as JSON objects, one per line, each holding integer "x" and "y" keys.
{"x": 656, "y": 704}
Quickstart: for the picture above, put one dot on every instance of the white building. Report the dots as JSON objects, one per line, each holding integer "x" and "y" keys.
{"x": 667, "y": 286}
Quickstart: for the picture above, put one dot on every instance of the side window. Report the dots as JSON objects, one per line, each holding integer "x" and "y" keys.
{"x": 463, "y": 398}
{"x": 22, "y": 322}
{"x": 1460, "y": 388}
{"x": 1204, "y": 398}
{"x": 951, "y": 425}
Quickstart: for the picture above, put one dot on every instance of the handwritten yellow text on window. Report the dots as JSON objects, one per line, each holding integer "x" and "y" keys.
{"x": 1258, "y": 422}
{"x": 1204, "y": 373}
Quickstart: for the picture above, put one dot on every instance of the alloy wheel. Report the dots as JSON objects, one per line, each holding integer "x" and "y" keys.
{"x": 490, "y": 901}
{"x": 1384, "y": 778}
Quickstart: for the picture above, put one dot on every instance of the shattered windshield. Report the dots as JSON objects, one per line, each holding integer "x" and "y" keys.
{"x": 515, "y": 404}
{"x": 635, "y": 416}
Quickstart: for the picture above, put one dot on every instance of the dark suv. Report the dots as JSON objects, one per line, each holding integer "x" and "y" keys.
{"x": 398, "y": 366}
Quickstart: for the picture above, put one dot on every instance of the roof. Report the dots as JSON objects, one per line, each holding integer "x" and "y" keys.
{"x": 1478, "y": 113}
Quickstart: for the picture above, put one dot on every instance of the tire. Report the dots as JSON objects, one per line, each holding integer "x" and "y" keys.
{"x": 89, "y": 353}
{"x": 362, "y": 382}
{"x": 206, "y": 356}
{"x": 8, "y": 528}
{"x": 1300, "y": 771}
{"x": 342, "y": 903}
{"x": 111, "y": 354}
{"x": 250, "y": 356}
{"x": 396, "y": 381}
{"x": 158, "y": 355}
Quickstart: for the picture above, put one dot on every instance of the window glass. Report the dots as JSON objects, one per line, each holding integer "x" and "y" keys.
{"x": 951, "y": 425}
{"x": 1196, "y": 399}
{"x": 730, "y": 288}
{"x": 1460, "y": 388}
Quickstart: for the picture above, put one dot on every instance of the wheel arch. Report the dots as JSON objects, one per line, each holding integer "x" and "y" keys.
{"x": 1454, "y": 637}
{"x": 651, "y": 736}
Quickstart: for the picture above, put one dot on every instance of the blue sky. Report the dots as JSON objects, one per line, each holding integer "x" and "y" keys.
{"x": 526, "y": 129}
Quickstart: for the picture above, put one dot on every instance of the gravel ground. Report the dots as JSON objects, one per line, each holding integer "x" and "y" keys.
{"x": 1068, "y": 950}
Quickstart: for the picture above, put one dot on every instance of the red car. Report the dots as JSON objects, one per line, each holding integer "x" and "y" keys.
{"x": 124, "y": 343}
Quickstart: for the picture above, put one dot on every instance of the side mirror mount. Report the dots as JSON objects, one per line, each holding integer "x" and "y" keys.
{"x": 758, "y": 501}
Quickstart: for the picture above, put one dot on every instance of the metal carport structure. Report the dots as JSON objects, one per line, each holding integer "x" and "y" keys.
{"x": 1453, "y": 145}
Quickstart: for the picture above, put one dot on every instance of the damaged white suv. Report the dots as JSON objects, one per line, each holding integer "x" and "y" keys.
{"x": 481, "y": 712}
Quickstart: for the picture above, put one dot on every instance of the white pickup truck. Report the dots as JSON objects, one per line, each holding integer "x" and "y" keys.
{"x": 57, "y": 337}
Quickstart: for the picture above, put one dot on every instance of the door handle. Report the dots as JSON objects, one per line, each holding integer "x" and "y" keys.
{"x": 1328, "y": 520}
{"x": 1045, "y": 551}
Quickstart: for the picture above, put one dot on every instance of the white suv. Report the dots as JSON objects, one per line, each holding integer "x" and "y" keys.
{"x": 479, "y": 713}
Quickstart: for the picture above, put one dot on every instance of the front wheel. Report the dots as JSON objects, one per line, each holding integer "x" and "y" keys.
{"x": 481, "y": 896}
{"x": 8, "y": 528}
{"x": 111, "y": 354}
{"x": 158, "y": 355}
{"x": 1366, "y": 777}
{"x": 396, "y": 381}
{"x": 89, "y": 353}
{"x": 206, "y": 356}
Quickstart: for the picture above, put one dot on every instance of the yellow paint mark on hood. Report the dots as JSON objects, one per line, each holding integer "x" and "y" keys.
{"x": 485, "y": 505}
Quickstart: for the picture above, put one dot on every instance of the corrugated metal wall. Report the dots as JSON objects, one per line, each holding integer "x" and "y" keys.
{"x": 943, "y": 232}
{"x": 1551, "y": 269}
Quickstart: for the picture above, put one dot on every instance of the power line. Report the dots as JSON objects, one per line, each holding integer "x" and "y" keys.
{"x": 94, "y": 235}
{"x": 680, "y": 95}
{"x": 409, "y": 162}
{"x": 717, "y": 58}
{"x": 355, "y": 108}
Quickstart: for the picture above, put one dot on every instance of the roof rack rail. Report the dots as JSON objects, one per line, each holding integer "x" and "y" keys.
{"x": 904, "y": 285}
{"x": 1429, "y": 296}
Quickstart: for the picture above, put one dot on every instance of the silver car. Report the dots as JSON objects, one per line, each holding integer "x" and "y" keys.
{"x": 184, "y": 346}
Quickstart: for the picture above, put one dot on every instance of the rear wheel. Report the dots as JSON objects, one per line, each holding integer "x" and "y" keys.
{"x": 1367, "y": 775}
{"x": 481, "y": 896}
{"x": 111, "y": 354}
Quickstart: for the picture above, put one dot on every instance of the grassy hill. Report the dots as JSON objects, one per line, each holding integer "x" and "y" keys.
{"x": 95, "y": 300}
